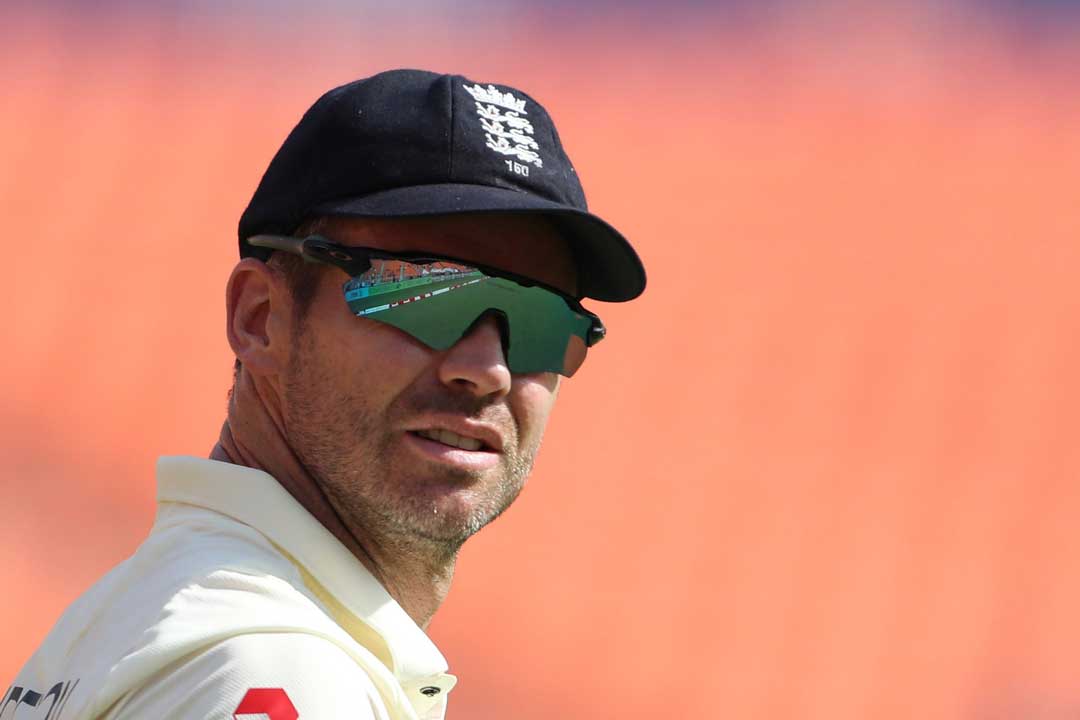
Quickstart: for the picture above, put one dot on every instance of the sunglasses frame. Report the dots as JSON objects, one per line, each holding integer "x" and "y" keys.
{"x": 355, "y": 261}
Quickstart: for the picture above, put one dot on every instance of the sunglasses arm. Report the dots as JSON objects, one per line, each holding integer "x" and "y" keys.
{"x": 315, "y": 248}
{"x": 278, "y": 242}
{"x": 597, "y": 331}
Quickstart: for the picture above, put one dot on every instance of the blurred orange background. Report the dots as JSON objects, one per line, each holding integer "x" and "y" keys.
{"x": 824, "y": 468}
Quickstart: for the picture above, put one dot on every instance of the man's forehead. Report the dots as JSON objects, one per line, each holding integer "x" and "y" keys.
{"x": 528, "y": 245}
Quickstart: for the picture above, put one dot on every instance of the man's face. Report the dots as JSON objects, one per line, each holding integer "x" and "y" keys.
{"x": 366, "y": 407}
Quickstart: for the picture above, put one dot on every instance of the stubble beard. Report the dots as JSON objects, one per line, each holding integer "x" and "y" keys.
{"x": 345, "y": 447}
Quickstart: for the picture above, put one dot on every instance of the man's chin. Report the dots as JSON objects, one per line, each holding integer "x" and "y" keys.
{"x": 446, "y": 532}
{"x": 450, "y": 519}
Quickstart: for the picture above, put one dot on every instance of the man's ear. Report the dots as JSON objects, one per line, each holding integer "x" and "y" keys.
{"x": 258, "y": 311}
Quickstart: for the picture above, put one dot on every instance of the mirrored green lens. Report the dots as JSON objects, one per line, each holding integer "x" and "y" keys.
{"x": 438, "y": 302}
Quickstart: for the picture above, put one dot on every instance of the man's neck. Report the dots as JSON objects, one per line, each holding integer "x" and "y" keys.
{"x": 414, "y": 573}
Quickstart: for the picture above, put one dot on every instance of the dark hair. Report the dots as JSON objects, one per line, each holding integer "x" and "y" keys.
{"x": 301, "y": 277}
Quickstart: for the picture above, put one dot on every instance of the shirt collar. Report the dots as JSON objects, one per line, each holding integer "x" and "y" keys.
{"x": 255, "y": 498}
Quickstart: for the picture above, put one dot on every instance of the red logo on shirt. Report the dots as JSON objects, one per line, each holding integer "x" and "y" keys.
{"x": 272, "y": 702}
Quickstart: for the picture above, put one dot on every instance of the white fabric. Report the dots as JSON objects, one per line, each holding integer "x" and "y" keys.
{"x": 236, "y": 587}
{"x": 213, "y": 683}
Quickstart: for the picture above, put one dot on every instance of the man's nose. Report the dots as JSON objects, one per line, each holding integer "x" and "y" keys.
{"x": 476, "y": 362}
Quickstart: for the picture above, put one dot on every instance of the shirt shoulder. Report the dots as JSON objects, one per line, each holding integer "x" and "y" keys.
{"x": 280, "y": 676}
{"x": 198, "y": 580}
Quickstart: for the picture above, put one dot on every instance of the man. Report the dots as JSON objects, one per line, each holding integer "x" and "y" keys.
{"x": 405, "y": 304}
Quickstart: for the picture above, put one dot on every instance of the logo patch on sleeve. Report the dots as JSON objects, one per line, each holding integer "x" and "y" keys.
{"x": 265, "y": 704}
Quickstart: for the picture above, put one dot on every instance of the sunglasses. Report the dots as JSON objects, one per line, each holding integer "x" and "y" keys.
{"x": 437, "y": 300}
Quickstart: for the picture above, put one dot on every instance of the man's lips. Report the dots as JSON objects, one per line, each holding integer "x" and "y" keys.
{"x": 460, "y": 433}
{"x": 452, "y": 439}
{"x": 462, "y": 458}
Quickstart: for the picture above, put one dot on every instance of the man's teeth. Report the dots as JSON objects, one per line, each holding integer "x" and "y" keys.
{"x": 453, "y": 439}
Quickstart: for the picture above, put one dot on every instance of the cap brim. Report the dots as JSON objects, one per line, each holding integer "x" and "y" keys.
{"x": 609, "y": 268}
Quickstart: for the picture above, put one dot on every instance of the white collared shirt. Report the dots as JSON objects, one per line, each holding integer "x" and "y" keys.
{"x": 238, "y": 604}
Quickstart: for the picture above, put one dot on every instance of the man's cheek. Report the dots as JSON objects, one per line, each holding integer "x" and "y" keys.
{"x": 533, "y": 410}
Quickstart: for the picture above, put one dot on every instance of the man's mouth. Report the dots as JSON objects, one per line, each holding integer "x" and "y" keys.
{"x": 452, "y": 439}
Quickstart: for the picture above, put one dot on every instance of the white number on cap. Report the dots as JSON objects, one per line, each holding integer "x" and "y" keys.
{"x": 517, "y": 167}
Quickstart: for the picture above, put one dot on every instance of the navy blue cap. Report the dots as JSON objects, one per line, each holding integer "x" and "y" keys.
{"x": 411, "y": 143}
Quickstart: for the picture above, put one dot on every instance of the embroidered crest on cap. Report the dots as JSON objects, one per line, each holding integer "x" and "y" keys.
{"x": 506, "y": 130}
